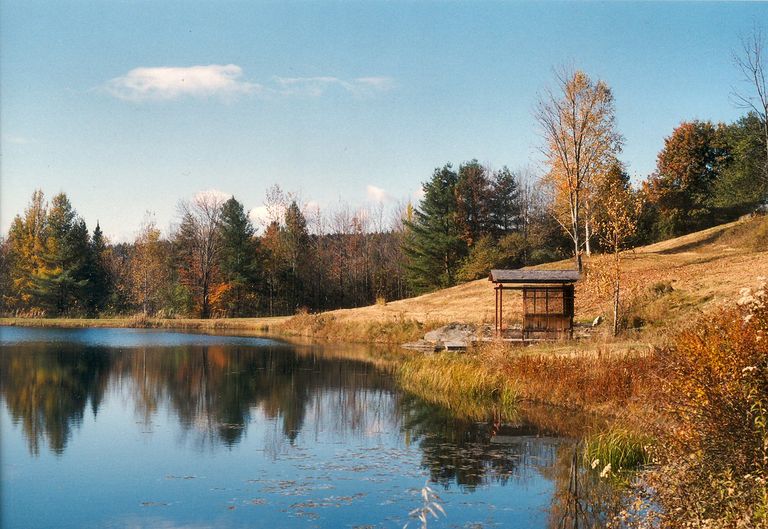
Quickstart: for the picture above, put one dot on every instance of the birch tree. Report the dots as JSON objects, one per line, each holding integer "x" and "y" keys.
{"x": 616, "y": 227}
{"x": 578, "y": 127}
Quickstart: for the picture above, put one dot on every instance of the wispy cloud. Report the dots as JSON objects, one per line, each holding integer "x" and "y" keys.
{"x": 226, "y": 81}
{"x": 166, "y": 83}
{"x": 377, "y": 194}
{"x": 317, "y": 86}
{"x": 216, "y": 195}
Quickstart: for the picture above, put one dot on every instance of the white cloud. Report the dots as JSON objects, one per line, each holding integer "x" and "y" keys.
{"x": 225, "y": 81}
{"x": 377, "y": 194}
{"x": 215, "y": 194}
{"x": 166, "y": 83}
{"x": 317, "y": 86}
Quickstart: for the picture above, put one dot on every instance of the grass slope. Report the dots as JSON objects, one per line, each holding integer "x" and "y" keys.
{"x": 664, "y": 282}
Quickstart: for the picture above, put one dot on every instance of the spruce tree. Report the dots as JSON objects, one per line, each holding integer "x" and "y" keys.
{"x": 433, "y": 243}
{"x": 100, "y": 282}
{"x": 504, "y": 204}
{"x": 239, "y": 264}
{"x": 473, "y": 194}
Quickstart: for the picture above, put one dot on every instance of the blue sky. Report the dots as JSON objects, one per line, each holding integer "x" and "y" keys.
{"x": 353, "y": 101}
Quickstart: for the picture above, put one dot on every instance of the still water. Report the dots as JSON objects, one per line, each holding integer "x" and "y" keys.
{"x": 125, "y": 428}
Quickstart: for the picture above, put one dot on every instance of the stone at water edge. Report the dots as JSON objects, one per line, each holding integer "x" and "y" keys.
{"x": 453, "y": 332}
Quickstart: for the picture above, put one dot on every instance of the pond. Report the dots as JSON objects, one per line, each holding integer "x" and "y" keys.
{"x": 127, "y": 428}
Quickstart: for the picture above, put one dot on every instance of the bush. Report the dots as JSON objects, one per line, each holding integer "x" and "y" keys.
{"x": 716, "y": 447}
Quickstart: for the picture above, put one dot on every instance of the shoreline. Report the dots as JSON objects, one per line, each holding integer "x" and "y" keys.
{"x": 254, "y": 325}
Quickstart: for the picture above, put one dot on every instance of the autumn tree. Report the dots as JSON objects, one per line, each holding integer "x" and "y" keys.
{"x": 681, "y": 187}
{"x": 580, "y": 138}
{"x": 147, "y": 267}
{"x": 616, "y": 226}
{"x": 198, "y": 245}
{"x": 26, "y": 240}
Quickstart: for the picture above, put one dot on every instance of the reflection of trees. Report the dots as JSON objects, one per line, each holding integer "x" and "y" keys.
{"x": 473, "y": 453}
{"x": 582, "y": 499}
{"x": 210, "y": 389}
{"x": 47, "y": 388}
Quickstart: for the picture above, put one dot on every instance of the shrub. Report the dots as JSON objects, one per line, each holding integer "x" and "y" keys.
{"x": 716, "y": 446}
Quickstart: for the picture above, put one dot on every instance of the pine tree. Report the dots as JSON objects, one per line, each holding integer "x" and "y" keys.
{"x": 296, "y": 243}
{"x": 505, "y": 208}
{"x": 100, "y": 282}
{"x": 473, "y": 194}
{"x": 433, "y": 243}
{"x": 239, "y": 264}
{"x": 59, "y": 283}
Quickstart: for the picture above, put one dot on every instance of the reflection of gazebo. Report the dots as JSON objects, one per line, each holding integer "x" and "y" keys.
{"x": 548, "y": 297}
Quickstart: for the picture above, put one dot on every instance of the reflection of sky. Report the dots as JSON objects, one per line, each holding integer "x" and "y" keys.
{"x": 350, "y": 465}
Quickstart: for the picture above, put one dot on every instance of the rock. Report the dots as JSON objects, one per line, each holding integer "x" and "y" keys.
{"x": 597, "y": 321}
{"x": 453, "y": 336}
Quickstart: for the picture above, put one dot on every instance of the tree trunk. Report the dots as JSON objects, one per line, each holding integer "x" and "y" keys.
{"x": 616, "y": 307}
{"x": 587, "y": 237}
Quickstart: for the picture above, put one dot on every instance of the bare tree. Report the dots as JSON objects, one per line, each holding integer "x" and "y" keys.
{"x": 198, "y": 242}
{"x": 578, "y": 126}
{"x": 750, "y": 60}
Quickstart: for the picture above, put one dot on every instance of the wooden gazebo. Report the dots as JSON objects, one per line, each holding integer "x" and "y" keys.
{"x": 548, "y": 301}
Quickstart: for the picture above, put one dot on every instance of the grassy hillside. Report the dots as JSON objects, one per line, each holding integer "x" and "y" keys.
{"x": 663, "y": 283}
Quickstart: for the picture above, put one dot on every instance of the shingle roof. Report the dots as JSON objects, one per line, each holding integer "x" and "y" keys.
{"x": 534, "y": 276}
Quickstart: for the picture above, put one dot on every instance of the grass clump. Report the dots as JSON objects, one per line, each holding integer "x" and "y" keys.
{"x": 617, "y": 449}
{"x": 328, "y": 326}
{"x": 457, "y": 382}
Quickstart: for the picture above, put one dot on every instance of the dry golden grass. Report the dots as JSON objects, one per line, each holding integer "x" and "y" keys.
{"x": 704, "y": 269}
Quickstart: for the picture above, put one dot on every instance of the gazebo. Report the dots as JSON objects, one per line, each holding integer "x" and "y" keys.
{"x": 548, "y": 301}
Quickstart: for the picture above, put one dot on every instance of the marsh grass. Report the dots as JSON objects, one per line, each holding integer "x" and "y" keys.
{"x": 459, "y": 382}
{"x": 621, "y": 448}
{"x": 328, "y": 326}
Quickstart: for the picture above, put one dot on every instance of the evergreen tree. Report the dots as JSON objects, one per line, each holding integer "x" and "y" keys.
{"x": 296, "y": 244}
{"x": 473, "y": 194}
{"x": 505, "y": 208}
{"x": 433, "y": 244}
{"x": 60, "y": 282}
{"x": 239, "y": 264}
{"x": 100, "y": 282}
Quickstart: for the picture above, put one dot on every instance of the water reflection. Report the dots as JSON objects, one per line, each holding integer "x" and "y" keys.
{"x": 211, "y": 390}
{"x": 322, "y": 417}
